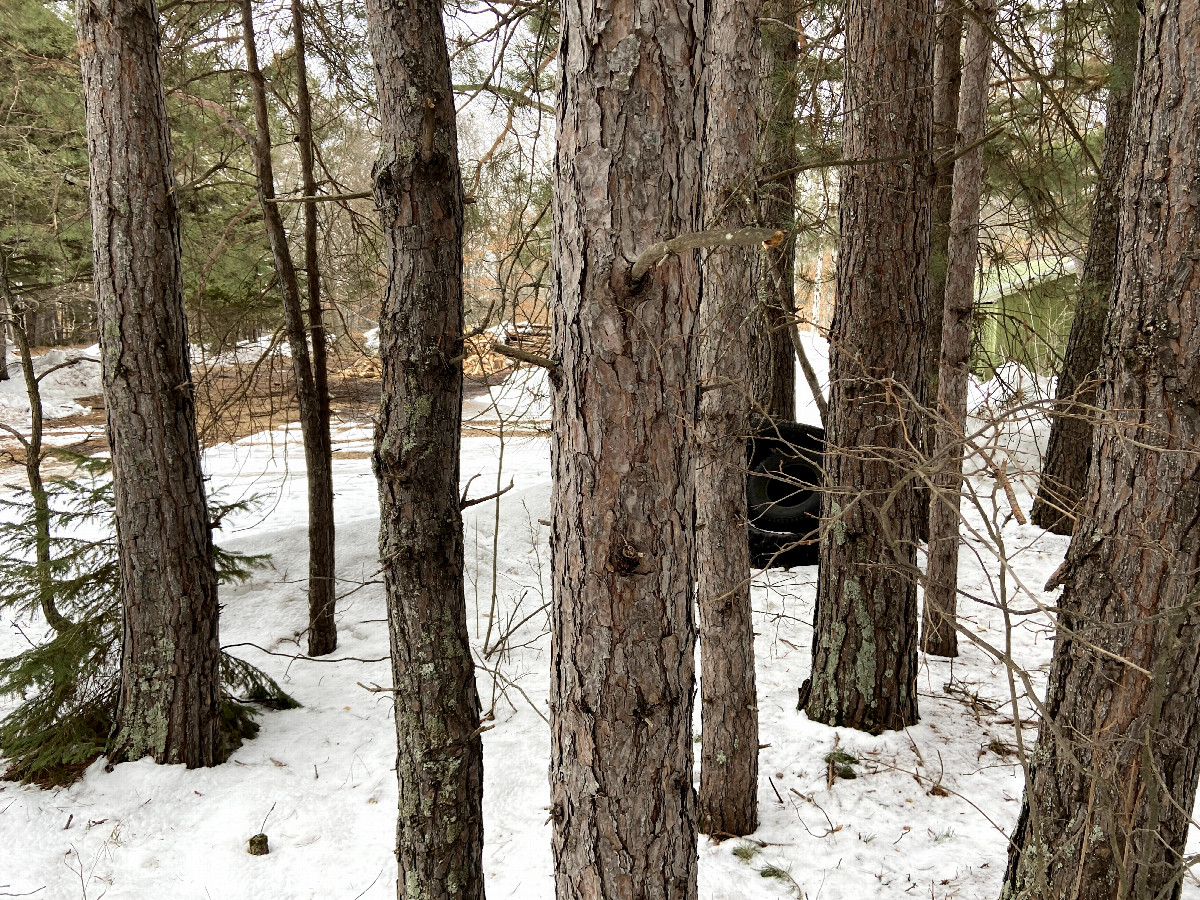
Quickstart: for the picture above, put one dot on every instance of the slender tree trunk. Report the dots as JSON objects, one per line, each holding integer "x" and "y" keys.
{"x": 772, "y": 357}
{"x": 314, "y": 418}
{"x": 169, "y": 704}
{"x": 1068, "y": 451}
{"x": 1113, "y": 778}
{"x": 938, "y": 634}
{"x": 947, "y": 83}
{"x": 865, "y": 642}
{"x": 322, "y": 596}
{"x": 37, "y": 487}
{"x": 5, "y": 318}
{"x": 728, "y": 801}
{"x": 418, "y": 189}
{"x": 630, "y": 117}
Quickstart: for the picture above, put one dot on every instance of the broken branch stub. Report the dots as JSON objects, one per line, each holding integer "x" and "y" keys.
{"x": 702, "y": 240}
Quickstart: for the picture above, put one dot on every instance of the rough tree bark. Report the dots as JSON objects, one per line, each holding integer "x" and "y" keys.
{"x": 1068, "y": 451}
{"x": 728, "y": 799}
{"x": 170, "y": 693}
{"x": 1113, "y": 777}
{"x": 322, "y": 560}
{"x": 314, "y": 408}
{"x": 772, "y": 358}
{"x": 630, "y": 118}
{"x": 947, "y": 83}
{"x": 418, "y": 189}
{"x": 865, "y": 641}
{"x": 938, "y": 634}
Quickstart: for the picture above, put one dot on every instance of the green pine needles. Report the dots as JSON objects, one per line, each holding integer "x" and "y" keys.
{"x": 68, "y": 683}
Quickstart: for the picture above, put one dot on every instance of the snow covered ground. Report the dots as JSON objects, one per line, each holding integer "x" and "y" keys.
{"x": 927, "y": 815}
{"x": 76, "y": 374}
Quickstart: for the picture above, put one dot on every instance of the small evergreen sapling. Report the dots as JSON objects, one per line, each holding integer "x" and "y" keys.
{"x": 68, "y": 682}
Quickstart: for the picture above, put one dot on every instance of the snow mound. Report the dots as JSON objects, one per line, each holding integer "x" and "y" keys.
{"x": 243, "y": 352}
{"x": 1012, "y": 385}
{"x": 61, "y": 389}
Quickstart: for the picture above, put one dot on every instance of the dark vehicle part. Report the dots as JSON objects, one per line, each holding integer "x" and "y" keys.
{"x": 783, "y": 493}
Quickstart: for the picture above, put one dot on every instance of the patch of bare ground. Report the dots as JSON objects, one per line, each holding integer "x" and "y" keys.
{"x": 236, "y": 401}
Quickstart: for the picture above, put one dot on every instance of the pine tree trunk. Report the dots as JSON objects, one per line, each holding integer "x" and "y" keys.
{"x": 630, "y": 116}
{"x": 947, "y": 84}
{"x": 314, "y": 416}
{"x": 938, "y": 634}
{"x": 772, "y": 358}
{"x": 418, "y": 189}
{"x": 1113, "y": 779}
{"x": 170, "y": 693}
{"x": 1068, "y": 451}
{"x": 728, "y": 800}
{"x": 5, "y": 313}
{"x": 865, "y": 641}
{"x": 322, "y": 591}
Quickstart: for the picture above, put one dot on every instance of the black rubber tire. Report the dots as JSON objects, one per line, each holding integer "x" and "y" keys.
{"x": 774, "y": 435}
{"x": 783, "y": 493}
{"x": 773, "y": 550}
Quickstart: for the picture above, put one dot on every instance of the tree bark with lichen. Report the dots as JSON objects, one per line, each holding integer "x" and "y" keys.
{"x": 865, "y": 641}
{"x": 418, "y": 189}
{"x": 168, "y": 707}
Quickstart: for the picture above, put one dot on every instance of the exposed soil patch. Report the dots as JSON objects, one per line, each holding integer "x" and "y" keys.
{"x": 236, "y": 401}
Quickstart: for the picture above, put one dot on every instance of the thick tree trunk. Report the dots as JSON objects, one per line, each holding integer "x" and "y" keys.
{"x": 630, "y": 117}
{"x": 1068, "y": 452}
{"x": 938, "y": 634}
{"x": 772, "y": 358}
{"x": 865, "y": 643}
{"x": 314, "y": 419}
{"x": 322, "y": 564}
{"x": 170, "y": 692}
{"x": 418, "y": 189}
{"x": 1113, "y": 779}
{"x": 728, "y": 800}
{"x": 947, "y": 83}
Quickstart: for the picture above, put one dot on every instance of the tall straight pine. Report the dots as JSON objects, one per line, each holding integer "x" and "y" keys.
{"x": 729, "y": 705}
{"x": 865, "y": 643}
{"x": 628, "y": 174}
{"x": 170, "y": 691}
{"x": 1113, "y": 782}
{"x": 418, "y": 189}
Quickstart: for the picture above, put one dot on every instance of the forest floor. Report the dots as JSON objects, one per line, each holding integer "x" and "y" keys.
{"x": 926, "y": 815}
